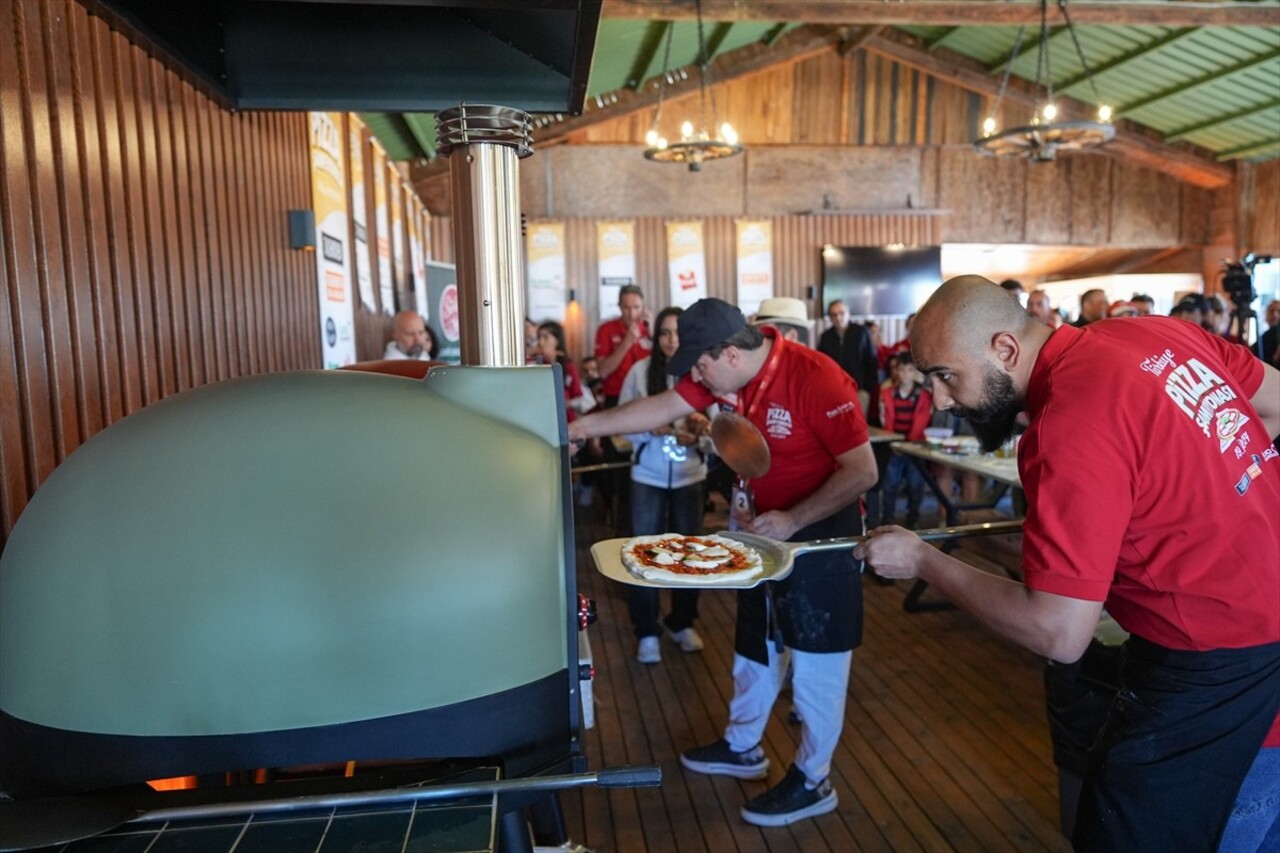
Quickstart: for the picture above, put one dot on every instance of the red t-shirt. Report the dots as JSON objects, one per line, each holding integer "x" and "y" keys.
{"x": 572, "y": 388}
{"x": 808, "y": 412}
{"x": 1152, "y": 484}
{"x": 608, "y": 337}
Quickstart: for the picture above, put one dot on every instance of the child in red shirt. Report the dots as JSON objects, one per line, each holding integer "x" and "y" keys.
{"x": 905, "y": 407}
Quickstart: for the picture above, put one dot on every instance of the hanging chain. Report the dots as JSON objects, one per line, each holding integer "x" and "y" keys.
{"x": 1097, "y": 99}
{"x": 1008, "y": 69}
{"x": 704, "y": 75}
{"x": 1042, "y": 59}
{"x": 665, "y": 81}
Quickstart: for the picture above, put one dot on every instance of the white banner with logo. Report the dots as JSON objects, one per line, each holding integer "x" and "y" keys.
{"x": 616, "y": 253}
{"x": 755, "y": 263}
{"x": 545, "y": 259}
{"x": 687, "y": 262}
{"x": 329, "y": 203}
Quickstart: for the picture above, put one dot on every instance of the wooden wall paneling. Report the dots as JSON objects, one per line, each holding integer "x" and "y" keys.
{"x": 18, "y": 451}
{"x": 155, "y": 282}
{"x": 165, "y": 116}
{"x": 816, "y": 79}
{"x": 197, "y": 235}
{"x": 1047, "y": 203}
{"x": 79, "y": 225}
{"x": 137, "y": 272}
{"x": 1144, "y": 207}
{"x": 1090, "y": 182}
{"x": 215, "y": 226}
{"x": 1194, "y": 203}
{"x": 1264, "y": 237}
{"x": 52, "y": 248}
{"x": 984, "y": 195}
{"x": 94, "y": 188}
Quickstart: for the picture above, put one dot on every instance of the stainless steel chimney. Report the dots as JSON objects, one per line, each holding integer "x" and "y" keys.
{"x": 483, "y": 144}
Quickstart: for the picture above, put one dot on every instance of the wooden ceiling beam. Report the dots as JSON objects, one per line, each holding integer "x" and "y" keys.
{"x": 1131, "y": 142}
{"x": 954, "y": 13}
{"x": 795, "y": 45}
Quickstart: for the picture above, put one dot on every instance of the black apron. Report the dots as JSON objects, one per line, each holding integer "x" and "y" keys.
{"x": 1178, "y": 741}
{"x": 818, "y": 607}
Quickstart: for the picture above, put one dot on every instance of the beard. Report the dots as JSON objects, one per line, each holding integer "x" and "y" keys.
{"x": 994, "y": 418}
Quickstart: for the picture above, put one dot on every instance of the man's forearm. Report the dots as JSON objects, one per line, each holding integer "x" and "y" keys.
{"x": 609, "y": 363}
{"x": 640, "y": 415}
{"x": 1054, "y": 626}
{"x": 840, "y": 489}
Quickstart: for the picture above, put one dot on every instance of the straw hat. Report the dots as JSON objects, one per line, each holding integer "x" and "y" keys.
{"x": 784, "y": 309}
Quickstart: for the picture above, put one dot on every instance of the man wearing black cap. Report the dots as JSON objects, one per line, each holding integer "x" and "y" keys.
{"x": 808, "y": 411}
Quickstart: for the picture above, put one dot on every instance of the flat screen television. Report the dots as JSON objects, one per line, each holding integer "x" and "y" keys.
{"x": 878, "y": 280}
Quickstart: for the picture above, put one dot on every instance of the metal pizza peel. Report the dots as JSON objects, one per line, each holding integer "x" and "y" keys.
{"x": 779, "y": 558}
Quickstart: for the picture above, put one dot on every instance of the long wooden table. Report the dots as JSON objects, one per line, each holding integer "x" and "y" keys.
{"x": 1004, "y": 470}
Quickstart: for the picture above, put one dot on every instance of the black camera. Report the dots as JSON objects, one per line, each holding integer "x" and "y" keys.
{"x": 1237, "y": 278}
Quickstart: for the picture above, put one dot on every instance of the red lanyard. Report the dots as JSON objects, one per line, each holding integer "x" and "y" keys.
{"x": 767, "y": 375}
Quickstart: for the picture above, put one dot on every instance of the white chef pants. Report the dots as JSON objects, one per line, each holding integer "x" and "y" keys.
{"x": 819, "y": 685}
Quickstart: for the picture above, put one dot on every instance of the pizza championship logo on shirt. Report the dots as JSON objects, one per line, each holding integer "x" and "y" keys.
{"x": 777, "y": 421}
{"x": 1198, "y": 392}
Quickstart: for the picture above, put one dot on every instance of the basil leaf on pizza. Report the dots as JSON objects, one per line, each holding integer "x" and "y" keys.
{"x": 673, "y": 558}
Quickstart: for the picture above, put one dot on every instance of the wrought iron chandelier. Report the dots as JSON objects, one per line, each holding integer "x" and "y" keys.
{"x": 696, "y": 145}
{"x": 1044, "y": 136}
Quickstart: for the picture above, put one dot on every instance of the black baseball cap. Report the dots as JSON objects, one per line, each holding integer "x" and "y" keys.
{"x": 704, "y": 324}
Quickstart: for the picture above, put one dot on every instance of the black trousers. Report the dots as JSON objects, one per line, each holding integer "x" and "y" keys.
{"x": 1180, "y": 737}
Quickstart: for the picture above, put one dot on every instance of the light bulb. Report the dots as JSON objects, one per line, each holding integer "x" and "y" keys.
{"x": 989, "y": 125}
{"x": 651, "y": 138}
{"x": 728, "y": 134}
{"x": 1050, "y": 112}
{"x": 662, "y": 142}
{"x": 686, "y": 130}
{"x": 1104, "y": 113}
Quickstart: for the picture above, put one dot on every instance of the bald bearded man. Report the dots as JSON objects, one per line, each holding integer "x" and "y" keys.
{"x": 1152, "y": 488}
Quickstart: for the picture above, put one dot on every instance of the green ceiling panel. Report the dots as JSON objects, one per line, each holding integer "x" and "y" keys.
{"x": 1227, "y": 71}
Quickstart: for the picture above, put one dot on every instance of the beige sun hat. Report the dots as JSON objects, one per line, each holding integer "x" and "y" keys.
{"x": 783, "y": 308}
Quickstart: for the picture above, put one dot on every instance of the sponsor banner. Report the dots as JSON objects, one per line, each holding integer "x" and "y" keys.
{"x": 687, "y": 263}
{"x": 418, "y": 255}
{"x": 755, "y": 264}
{"x": 399, "y": 265}
{"x": 360, "y": 215}
{"x": 382, "y": 231}
{"x": 442, "y": 296}
{"x": 544, "y": 256}
{"x": 329, "y": 202}
{"x": 616, "y": 251}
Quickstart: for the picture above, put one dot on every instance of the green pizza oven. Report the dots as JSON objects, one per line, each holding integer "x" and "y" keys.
{"x": 296, "y": 568}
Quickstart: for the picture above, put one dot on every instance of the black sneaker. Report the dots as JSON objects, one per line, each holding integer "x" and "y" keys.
{"x": 790, "y": 801}
{"x": 717, "y": 759}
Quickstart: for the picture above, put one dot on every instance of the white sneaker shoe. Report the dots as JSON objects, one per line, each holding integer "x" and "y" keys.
{"x": 688, "y": 639}
{"x": 649, "y": 651}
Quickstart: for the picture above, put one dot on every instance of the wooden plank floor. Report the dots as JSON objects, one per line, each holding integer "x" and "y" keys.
{"x": 945, "y": 745}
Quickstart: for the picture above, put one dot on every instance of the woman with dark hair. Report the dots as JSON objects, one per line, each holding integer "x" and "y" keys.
{"x": 553, "y": 350}
{"x": 666, "y": 494}
{"x": 432, "y": 346}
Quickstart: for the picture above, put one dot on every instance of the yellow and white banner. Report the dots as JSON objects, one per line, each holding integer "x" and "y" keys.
{"x": 360, "y": 215}
{"x": 616, "y": 254}
{"x": 399, "y": 264}
{"x": 382, "y": 230}
{"x": 417, "y": 252}
{"x": 545, "y": 271}
{"x": 687, "y": 262}
{"x": 755, "y": 263}
{"x": 329, "y": 203}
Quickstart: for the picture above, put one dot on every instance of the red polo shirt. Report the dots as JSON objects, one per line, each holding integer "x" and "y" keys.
{"x": 808, "y": 410}
{"x": 1152, "y": 484}
{"x": 608, "y": 337}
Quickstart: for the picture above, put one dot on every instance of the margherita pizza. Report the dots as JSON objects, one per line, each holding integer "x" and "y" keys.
{"x": 694, "y": 560}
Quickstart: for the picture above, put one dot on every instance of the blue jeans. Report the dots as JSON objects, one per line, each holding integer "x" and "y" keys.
{"x": 654, "y": 511}
{"x": 1254, "y": 825}
{"x": 901, "y": 473}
